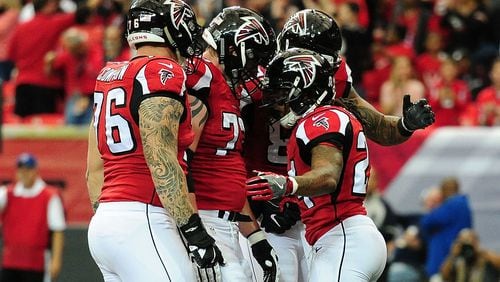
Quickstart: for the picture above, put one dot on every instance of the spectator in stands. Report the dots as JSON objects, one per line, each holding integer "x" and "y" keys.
{"x": 468, "y": 262}
{"x": 114, "y": 46}
{"x": 355, "y": 38}
{"x": 379, "y": 210}
{"x": 33, "y": 222}
{"x": 450, "y": 95}
{"x": 9, "y": 18}
{"x": 409, "y": 256}
{"x": 401, "y": 81}
{"x": 382, "y": 215}
{"x": 276, "y": 12}
{"x": 36, "y": 92}
{"x": 428, "y": 63}
{"x": 441, "y": 225}
{"x": 79, "y": 65}
{"x": 394, "y": 42}
{"x": 432, "y": 198}
{"x": 468, "y": 24}
{"x": 488, "y": 100}
{"x": 380, "y": 70}
{"x": 408, "y": 17}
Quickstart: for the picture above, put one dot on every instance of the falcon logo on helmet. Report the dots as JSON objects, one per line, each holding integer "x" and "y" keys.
{"x": 297, "y": 24}
{"x": 178, "y": 12}
{"x": 305, "y": 65}
{"x": 252, "y": 28}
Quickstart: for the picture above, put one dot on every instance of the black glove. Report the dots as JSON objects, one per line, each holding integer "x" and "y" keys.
{"x": 415, "y": 116}
{"x": 276, "y": 221}
{"x": 202, "y": 249}
{"x": 265, "y": 255}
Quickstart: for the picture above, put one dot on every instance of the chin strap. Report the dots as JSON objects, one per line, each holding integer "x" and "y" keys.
{"x": 290, "y": 119}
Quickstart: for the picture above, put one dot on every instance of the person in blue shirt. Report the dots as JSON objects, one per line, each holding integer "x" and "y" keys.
{"x": 441, "y": 225}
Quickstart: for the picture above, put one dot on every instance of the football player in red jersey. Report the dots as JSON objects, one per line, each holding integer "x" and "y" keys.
{"x": 315, "y": 30}
{"x": 238, "y": 41}
{"x": 328, "y": 168}
{"x": 135, "y": 168}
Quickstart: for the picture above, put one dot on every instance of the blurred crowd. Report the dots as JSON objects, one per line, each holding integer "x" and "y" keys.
{"x": 439, "y": 244}
{"x": 444, "y": 50}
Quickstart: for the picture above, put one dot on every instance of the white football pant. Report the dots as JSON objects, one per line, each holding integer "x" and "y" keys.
{"x": 133, "y": 241}
{"x": 226, "y": 235}
{"x": 352, "y": 251}
{"x": 291, "y": 249}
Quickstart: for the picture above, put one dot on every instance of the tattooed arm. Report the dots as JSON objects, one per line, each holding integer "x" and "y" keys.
{"x": 326, "y": 167}
{"x": 159, "y": 126}
{"x": 95, "y": 168}
{"x": 199, "y": 116}
{"x": 378, "y": 127}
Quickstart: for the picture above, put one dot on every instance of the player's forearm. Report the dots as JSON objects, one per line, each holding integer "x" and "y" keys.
{"x": 247, "y": 228}
{"x": 326, "y": 167}
{"x": 95, "y": 170}
{"x": 378, "y": 127}
{"x": 171, "y": 187}
{"x": 315, "y": 183}
{"x": 159, "y": 125}
{"x": 94, "y": 185}
{"x": 199, "y": 116}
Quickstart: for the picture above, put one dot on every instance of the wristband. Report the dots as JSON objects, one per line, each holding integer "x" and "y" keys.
{"x": 295, "y": 185}
{"x": 256, "y": 237}
{"x": 402, "y": 128}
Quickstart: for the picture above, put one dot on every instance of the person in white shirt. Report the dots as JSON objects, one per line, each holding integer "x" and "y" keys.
{"x": 33, "y": 224}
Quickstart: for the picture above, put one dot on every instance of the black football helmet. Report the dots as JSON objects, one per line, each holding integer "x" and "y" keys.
{"x": 314, "y": 30}
{"x": 172, "y": 22}
{"x": 243, "y": 40}
{"x": 301, "y": 79}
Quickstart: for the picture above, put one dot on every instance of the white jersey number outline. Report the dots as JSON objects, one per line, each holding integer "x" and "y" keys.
{"x": 112, "y": 122}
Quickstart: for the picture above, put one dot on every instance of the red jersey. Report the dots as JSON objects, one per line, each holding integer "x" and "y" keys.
{"x": 217, "y": 167}
{"x": 343, "y": 80}
{"x": 338, "y": 127}
{"x": 79, "y": 73}
{"x": 31, "y": 41}
{"x": 448, "y": 111}
{"x": 490, "y": 96}
{"x": 25, "y": 244}
{"x": 120, "y": 88}
{"x": 265, "y": 146}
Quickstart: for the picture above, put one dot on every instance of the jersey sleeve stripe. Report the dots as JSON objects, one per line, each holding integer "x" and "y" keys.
{"x": 134, "y": 106}
{"x": 348, "y": 71}
{"x": 205, "y": 80}
{"x": 344, "y": 121}
{"x": 141, "y": 78}
{"x": 301, "y": 133}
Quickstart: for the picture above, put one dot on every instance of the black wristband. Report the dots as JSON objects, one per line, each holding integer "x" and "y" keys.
{"x": 402, "y": 130}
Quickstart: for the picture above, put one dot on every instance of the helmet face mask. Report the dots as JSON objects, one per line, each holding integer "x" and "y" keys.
{"x": 300, "y": 79}
{"x": 171, "y": 22}
{"x": 244, "y": 40}
{"x": 313, "y": 30}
